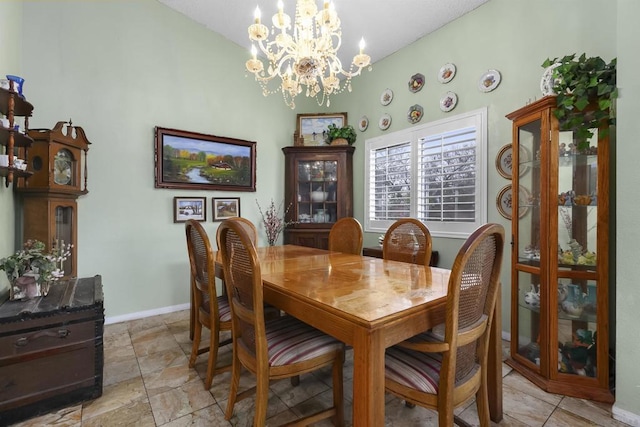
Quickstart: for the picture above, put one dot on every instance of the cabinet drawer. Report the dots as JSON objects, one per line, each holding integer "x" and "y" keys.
{"x": 28, "y": 341}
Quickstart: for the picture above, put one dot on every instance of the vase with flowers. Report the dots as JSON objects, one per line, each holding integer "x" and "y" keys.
{"x": 32, "y": 270}
{"x": 274, "y": 221}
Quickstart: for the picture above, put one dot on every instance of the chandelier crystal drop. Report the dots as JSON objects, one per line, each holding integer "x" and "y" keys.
{"x": 306, "y": 59}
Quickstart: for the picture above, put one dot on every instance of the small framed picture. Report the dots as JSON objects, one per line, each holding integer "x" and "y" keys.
{"x": 224, "y": 208}
{"x": 185, "y": 208}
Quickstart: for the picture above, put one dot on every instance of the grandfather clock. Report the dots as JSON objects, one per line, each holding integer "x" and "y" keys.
{"x": 58, "y": 161}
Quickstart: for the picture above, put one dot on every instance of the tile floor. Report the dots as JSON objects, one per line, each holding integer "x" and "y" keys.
{"x": 147, "y": 383}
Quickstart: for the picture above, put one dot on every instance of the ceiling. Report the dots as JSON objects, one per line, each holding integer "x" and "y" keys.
{"x": 385, "y": 25}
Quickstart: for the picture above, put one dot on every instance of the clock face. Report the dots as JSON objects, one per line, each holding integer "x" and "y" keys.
{"x": 62, "y": 166}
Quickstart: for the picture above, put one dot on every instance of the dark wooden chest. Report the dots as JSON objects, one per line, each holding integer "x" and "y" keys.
{"x": 51, "y": 349}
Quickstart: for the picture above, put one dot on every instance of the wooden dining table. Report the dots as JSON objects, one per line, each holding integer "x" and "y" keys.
{"x": 369, "y": 304}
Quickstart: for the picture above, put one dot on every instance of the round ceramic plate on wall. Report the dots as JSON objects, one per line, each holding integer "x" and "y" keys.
{"x": 504, "y": 201}
{"x": 414, "y": 115}
{"x": 363, "y": 123}
{"x": 386, "y": 97}
{"x": 448, "y": 101}
{"x": 447, "y": 73}
{"x": 384, "y": 122}
{"x": 489, "y": 81}
{"x": 504, "y": 161}
{"x": 416, "y": 83}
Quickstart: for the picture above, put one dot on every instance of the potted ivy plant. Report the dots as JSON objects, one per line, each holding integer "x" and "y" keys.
{"x": 585, "y": 91}
{"x": 31, "y": 270}
{"x": 341, "y": 135}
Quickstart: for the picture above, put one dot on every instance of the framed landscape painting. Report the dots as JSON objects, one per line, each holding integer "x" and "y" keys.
{"x": 224, "y": 208}
{"x": 185, "y": 208}
{"x": 190, "y": 160}
{"x": 312, "y": 128}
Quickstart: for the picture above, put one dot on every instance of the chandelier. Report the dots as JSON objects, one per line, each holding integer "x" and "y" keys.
{"x": 306, "y": 59}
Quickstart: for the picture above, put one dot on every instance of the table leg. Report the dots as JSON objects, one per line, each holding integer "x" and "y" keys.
{"x": 368, "y": 379}
{"x": 494, "y": 371}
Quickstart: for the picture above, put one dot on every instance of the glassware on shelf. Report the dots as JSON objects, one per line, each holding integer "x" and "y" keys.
{"x": 304, "y": 171}
{"x": 321, "y": 216}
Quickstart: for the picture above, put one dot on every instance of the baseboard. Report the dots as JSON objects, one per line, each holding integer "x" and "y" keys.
{"x": 147, "y": 313}
{"x": 625, "y": 416}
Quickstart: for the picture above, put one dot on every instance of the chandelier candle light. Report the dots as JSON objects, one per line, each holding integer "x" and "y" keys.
{"x": 306, "y": 58}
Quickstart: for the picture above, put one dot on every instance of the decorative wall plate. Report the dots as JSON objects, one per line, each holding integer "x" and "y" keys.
{"x": 448, "y": 101}
{"x": 386, "y": 97}
{"x": 415, "y": 114}
{"x": 547, "y": 81}
{"x": 416, "y": 83}
{"x": 504, "y": 161}
{"x": 384, "y": 122}
{"x": 447, "y": 73}
{"x": 504, "y": 201}
{"x": 489, "y": 81}
{"x": 363, "y": 123}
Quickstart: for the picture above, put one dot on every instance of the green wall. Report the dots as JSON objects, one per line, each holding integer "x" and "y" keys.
{"x": 627, "y": 300}
{"x": 120, "y": 68}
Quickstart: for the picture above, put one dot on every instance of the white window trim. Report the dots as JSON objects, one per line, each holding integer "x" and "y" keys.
{"x": 477, "y": 118}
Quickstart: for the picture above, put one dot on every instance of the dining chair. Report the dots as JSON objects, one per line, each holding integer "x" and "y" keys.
{"x": 407, "y": 240}
{"x": 210, "y": 310}
{"x": 346, "y": 236}
{"x": 443, "y": 369}
{"x": 253, "y": 232}
{"x": 275, "y": 348}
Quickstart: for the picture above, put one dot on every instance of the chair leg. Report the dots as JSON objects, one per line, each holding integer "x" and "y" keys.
{"x": 262, "y": 400}
{"x": 445, "y": 412}
{"x": 196, "y": 344}
{"x": 213, "y": 357}
{"x": 233, "y": 387}
{"x": 295, "y": 381}
{"x": 482, "y": 401}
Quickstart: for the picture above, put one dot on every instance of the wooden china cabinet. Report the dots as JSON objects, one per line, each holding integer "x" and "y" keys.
{"x": 560, "y": 311}
{"x": 319, "y": 190}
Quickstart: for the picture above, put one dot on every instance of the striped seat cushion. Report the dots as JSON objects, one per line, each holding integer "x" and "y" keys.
{"x": 419, "y": 371}
{"x": 291, "y": 341}
{"x": 224, "y": 309}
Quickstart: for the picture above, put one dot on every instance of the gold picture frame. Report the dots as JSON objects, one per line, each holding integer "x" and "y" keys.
{"x": 311, "y": 128}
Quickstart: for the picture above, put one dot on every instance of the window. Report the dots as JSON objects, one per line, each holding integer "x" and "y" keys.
{"x": 435, "y": 172}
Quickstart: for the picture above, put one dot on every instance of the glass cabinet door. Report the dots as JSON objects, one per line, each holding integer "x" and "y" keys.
{"x": 317, "y": 196}
{"x": 577, "y": 258}
{"x": 63, "y": 235}
{"x": 528, "y": 211}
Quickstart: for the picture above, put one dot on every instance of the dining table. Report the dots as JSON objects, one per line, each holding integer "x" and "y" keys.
{"x": 370, "y": 304}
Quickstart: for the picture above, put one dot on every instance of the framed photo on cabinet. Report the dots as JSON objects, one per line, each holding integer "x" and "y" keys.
{"x": 225, "y": 208}
{"x": 312, "y": 128}
{"x": 189, "y": 160}
{"x": 185, "y": 208}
